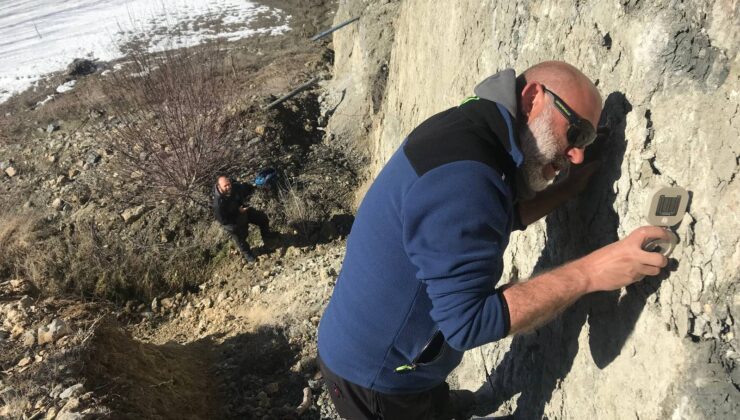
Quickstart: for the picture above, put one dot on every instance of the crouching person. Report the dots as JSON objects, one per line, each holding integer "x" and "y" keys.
{"x": 230, "y": 209}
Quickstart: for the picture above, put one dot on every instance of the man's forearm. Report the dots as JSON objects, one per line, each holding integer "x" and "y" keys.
{"x": 543, "y": 203}
{"x": 538, "y": 300}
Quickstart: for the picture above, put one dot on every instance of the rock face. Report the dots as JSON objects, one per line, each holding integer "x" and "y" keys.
{"x": 670, "y": 77}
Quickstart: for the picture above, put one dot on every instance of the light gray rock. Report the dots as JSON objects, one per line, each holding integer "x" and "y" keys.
{"x": 72, "y": 391}
{"x": 11, "y": 171}
{"x": 92, "y": 158}
{"x": 155, "y": 305}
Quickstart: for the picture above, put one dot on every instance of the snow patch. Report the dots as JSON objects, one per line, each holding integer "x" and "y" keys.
{"x": 66, "y": 87}
{"x": 38, "y": 37}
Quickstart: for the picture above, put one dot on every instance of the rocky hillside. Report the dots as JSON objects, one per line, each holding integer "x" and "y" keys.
{"x": 669, "y": 75}
{"x": 120, "y": 301}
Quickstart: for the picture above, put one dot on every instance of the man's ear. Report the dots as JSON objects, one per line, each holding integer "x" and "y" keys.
{"x": 528, "y": 100}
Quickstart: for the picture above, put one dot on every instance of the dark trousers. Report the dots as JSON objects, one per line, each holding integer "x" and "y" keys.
{"x": 355, "y": 402}
{"x": 239, "y": 230}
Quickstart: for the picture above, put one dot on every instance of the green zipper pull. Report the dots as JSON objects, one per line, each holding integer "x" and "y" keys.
{"x": 405, "y": 368}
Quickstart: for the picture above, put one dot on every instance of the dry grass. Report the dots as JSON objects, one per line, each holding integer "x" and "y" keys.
{"x": 299, "y": 210}
{"x": 87, "y": 263}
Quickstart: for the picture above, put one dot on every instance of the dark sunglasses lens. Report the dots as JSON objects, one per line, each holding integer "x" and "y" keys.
{"x": 581, "y": 134}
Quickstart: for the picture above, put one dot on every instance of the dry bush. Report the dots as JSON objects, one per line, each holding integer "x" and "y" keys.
{"x": 298, "y": 209}
{"x": 174, "y": 120}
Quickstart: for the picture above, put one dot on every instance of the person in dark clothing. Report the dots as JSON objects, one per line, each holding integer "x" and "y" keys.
{"x": 229, "y": 208}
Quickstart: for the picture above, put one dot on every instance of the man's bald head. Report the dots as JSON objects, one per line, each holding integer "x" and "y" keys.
{"x": 543, "y": 132}
{"x": 577, "y": 90}
{"x": 223, "y": 183}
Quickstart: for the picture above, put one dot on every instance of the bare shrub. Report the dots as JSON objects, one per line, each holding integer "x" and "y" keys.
{"x": 299, "y": 210}
{"x": 174, "y": 120}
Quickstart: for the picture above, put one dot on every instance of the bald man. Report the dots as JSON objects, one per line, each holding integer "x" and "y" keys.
{"x": 418, "y": 283}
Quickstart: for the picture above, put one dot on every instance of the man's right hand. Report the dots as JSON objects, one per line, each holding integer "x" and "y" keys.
{"x": 624, "y": 262}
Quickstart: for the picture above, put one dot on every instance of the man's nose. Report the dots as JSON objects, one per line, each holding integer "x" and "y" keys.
{"x": 575, "y": 155}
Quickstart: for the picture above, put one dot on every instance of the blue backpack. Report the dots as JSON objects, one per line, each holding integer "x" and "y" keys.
{"x": 266, "y": 178}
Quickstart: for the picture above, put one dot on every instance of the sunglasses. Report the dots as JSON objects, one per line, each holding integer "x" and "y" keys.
{"x": 580, "y": 131}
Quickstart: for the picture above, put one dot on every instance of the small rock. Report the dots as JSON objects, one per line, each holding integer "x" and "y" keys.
{"x": 52, "y": 128}
{"x": 11, "y": 171}
{"x": 155, "y": 305}
{"x": 133, "y": 214}
{"x": 256, "y": 290}
{"x": 72, "y": 391}
{"x": 51, "y": 414}
{"x": 29, "y": 339}
{"x": 20, "y": 286}
{"x": 207, "y": 303}
{"x": 53, "y": 332}
{"x": 92, "y": 158}
{"x": 73, "y": 172}
{"x": 24, "y": 362}
{"x": 260, "y": 130}
{"x": 17, "y": 331}
{"x": 167, "y": 303}
{"x": 57, "y": 204}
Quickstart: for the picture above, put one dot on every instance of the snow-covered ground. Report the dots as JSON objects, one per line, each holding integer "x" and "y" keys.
{"x": 38, "y": 37}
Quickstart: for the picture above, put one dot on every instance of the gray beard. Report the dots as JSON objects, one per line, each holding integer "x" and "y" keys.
{"x": 540, "y": 148}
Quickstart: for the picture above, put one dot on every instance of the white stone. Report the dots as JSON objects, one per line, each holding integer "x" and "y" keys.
{"x": 72, "y": 391}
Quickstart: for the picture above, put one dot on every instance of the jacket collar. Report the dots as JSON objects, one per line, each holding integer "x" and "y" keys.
{"x": 500, "y": 88}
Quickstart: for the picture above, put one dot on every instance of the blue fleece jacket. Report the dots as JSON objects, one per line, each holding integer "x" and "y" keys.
{"x": 417, "y": 286}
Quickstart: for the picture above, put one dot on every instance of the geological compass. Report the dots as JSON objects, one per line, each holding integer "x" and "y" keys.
{"x": 667, "y": 208}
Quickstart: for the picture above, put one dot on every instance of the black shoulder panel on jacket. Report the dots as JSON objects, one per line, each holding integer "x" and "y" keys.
{"x": 474, "y": 131}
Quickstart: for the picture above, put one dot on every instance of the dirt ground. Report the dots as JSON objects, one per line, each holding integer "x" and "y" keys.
{"x": 228, "y": 340}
